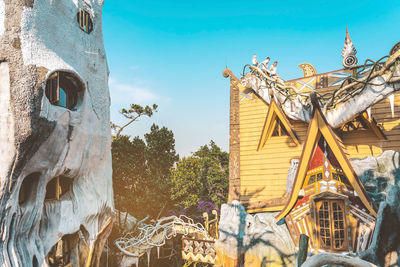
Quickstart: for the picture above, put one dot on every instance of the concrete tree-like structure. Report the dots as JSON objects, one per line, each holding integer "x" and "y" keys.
{"x": 56, "y": 197}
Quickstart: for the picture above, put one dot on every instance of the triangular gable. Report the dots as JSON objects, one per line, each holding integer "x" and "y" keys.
{"x": 368, "y": 124}
{"x": 275, "y": 116}
{"x": 317, "y": 127}
{"x": 324, "y": 164}
{"x": 371, "y": 124}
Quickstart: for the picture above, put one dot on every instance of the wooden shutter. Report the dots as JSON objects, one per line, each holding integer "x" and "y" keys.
{"x": 84, "y": 20}
{"x": 52, "y": 88}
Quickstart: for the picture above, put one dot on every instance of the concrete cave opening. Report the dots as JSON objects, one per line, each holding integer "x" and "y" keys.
{"x": 61, "y": 254}
{"x": 29, "y": 187}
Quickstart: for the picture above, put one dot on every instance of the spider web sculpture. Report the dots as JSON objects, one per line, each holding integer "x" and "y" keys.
{"x": 148, "y": 236}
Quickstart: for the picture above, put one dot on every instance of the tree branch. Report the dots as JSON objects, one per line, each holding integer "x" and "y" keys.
{"x": 123, "y": 127}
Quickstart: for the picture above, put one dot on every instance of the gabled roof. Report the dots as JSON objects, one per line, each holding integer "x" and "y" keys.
{"x": 318, "y": 126}
{"x": 274, "y": 115}
{"x": 370, "y": 124}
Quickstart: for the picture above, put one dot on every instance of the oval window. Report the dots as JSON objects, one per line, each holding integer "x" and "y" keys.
{"x": 85, "y": 21}
{"x": 63, "y": 89}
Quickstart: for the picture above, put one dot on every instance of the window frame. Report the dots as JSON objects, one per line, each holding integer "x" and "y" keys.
{"x": 279, "y": 129}
{"x": 332, "y": 226}
{"x": 69, "y": 83}
{"x": 85, "y": 21}
{"x": 318, "y": 176}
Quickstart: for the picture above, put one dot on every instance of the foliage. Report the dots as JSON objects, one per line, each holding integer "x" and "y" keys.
{"x": 141, "y": 172}
{"x": 161, "y": 154}
{"x": 200, "y": 178}
{"x": 206, "y": 206}
{"x": 187, "y": 186}
{"x": 129, "y": 170}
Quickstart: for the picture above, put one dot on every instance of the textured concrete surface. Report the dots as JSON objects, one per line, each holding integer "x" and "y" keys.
{"x": 44, "y": 141}
{"x": 252, "y": 240}
{"x": 378, "y": 173}
{"x": 381, "y": 178}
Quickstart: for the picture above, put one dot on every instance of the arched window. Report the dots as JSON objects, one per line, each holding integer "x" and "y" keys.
{"x": 63, "y": 89}
{"x": 85, "y": 21}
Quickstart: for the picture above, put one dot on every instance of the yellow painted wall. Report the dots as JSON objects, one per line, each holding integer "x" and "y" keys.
{"x": 263, "y": 173}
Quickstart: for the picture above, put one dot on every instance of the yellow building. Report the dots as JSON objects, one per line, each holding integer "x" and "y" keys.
{"x": 299, "y": 166}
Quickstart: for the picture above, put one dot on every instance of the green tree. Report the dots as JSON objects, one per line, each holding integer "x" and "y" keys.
{"x": 141, "y": 167}
{"x": 161, "y": 153}
{"x": 141, "y": 172}
{"x": 187, "y": 187}
{"x": 129, "y": 171}
{"x": 201, "y": 177}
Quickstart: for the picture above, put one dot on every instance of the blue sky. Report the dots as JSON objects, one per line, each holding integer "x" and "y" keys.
{"x": 173, "y": 53}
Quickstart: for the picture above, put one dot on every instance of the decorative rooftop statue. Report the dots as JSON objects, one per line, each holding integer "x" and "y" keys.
{"x": 349, "y": 52}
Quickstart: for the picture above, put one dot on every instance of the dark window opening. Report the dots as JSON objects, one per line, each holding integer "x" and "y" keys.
{"x": 279, "y": 129}
{"x": 335, "y": 176}
{"x": 57, "y": 187}
{"x": 62, "y": 89}
{"x": 60, "y": 254}
{"x": 35, "y": 262}
{"x": 27, "y": 192}
{"x": 314, "y": 178}
{"x": 85, "y": 21}
{"x": 311, "y": 180}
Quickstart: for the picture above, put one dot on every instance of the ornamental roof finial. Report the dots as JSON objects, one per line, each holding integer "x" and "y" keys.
{"x": 349, "y": 52}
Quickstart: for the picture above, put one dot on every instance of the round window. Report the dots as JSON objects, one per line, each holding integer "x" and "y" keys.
{"x": 63, "y": 89}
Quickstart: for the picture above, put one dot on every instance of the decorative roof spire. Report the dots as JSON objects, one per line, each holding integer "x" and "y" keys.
{"x": 349, "y": 52}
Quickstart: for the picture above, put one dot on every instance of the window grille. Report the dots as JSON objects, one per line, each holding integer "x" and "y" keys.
{"x": 331, "y": 224}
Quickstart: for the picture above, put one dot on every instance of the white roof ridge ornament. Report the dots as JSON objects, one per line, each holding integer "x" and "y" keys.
{"x": 349, "y": 52}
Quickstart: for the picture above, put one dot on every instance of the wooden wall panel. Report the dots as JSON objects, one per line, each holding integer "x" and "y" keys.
{"x": 264, "y": 173}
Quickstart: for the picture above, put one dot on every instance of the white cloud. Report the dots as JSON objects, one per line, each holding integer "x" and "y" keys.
{"x": 123, "y": 94}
